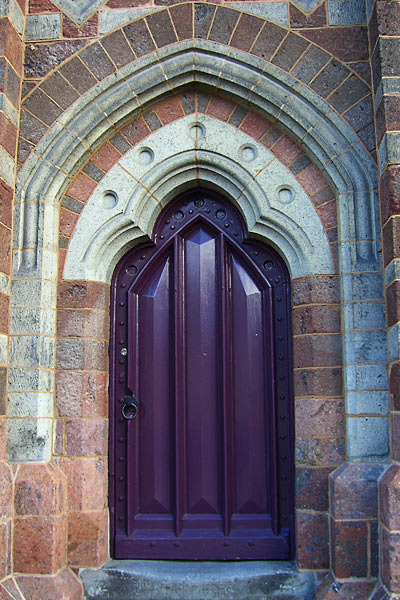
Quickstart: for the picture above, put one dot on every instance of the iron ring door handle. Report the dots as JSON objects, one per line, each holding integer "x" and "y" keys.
{"x": 130, "y": 408}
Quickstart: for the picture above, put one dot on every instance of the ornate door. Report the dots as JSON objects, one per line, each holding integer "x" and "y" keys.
{"x": 201, "y": 425}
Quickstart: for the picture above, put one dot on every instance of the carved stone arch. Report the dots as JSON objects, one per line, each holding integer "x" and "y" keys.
{"x": 326, "y": 137}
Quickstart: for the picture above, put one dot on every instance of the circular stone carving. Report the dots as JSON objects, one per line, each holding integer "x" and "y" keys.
{"x": 197, "y": 132}
{"x": 248, "y": 153}
{"x": 285, "y": 194}
{"x": 146, "y": 156}
{"x": 110, "y": 199}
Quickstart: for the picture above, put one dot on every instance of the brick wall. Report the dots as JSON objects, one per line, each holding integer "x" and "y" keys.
{"x": 11, "y": 71}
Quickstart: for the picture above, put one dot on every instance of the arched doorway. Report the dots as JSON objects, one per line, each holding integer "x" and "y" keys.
{"x": 200, "y": 349}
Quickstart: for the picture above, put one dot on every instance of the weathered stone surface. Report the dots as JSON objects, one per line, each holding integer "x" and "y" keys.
{"x": 354, "y": 491}
{"x": 349, "y": 541}
{"x": 160, "y": 580}
{"x": 82, "y": 394}
{"x": 39, "y": 490}
{"x": 83, "y": 294}
{"x": 39, "y": 544}
{"x": 88, "y": 538}
{"x": 87, "y": 482}
{"x": 330, "y": 589}
{"x": 64, "y": 585}
{"x": 312, "y": 540}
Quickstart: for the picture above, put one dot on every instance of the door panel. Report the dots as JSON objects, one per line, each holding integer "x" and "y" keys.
{"x": 205, "y": 470}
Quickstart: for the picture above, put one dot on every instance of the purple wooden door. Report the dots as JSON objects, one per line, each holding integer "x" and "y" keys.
{"x": 200, "y": 338}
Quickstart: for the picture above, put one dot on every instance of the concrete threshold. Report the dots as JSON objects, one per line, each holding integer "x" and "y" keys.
{"x": 173, "y": 580}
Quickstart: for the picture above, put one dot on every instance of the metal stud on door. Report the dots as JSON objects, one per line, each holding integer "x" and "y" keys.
{"x": 201, "y": 420}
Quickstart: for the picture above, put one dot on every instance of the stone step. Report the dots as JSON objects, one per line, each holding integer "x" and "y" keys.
{"x": 169, "y": 580}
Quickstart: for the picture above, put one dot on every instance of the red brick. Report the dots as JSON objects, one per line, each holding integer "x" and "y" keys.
{"x": 390, "y": 193}
{"x": 9, "y": 590}
{"x": 318, "y": 382}
{"x": 312, "y": 541}
{"x": 88, "y": 29}
{"x": 182, "y": 17}
{"x": 354, "y": 491}
{"x": 320, "y": 451}
{"x": 82, "y": 394}
{"x": 8, "y": 135}
{"x": 39, "y": 490}
{"x": 38, "y": 6}
{"x": 317, "y": 350}
{"x": 6, "y": 490}
{"x": 220, "y": 108}
{"x": 330, "y": 589}
{"x": 82, "y": 187}
{"x": 286, "y": 150}
{"x": 246, "y": 32}
{"x": 393, "y": 303}
{"x": 316, "y": 290}
{"x": 390, "y": 560}
{"x": 389, "y": 498}
{"x": 395, "y": 431}
{"x": 59, "y": 436}
{"x": 4, "y": 533}
{"x": 6, "y": 197}
{"x": 39, "y": 544}
{"x": 86, "y": 437}
{"x": 5, "y": 249}
{"x": 135, "y": 131}
{"x": 316, "y": 19}
{"x": 68, "y": 220}
{"x": 255, "y": 125}
{"x": 4, "y": 304}
{"x": 87, "y": 482}
{"x": 106, "y": 157}
{"x": 87, "y": 323}
{"x": 316, "y": 319}
{"x": 388, "y": 17}
{"x": 349, "y": 542}
{"x": 169, "y": 110}
{"x": 59, "y": 587}
{"x": 391, "y": 240}
{"x": 62, "y": 255}
{"x": 83, "y": 294}
{"x": 312, "y": 488}
{"x": 88, "y": 538}
{"x": 319, "y": 417}
{"x": 394, "y": 386}
{"x": 10, "y": 45}
{"x": 311, "y": 179}
{"x": 81, "y": 354}
{"x": 328, "y": 214}
{"x": 346, "y": 43}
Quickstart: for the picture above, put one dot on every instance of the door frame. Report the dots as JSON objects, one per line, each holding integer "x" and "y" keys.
{"x": 284, "y": 373}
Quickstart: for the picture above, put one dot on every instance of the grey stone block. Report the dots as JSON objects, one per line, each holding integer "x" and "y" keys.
{"x": 31, "y": 351}
{"x": 362, "y": 286}
{"x": 307, "y": 6}
{"x": 163, "y": 580}
{"x": 394, "y": 343}
{"x": 28, "y": 440}
{"x": 30, "y": 404}
{"x": 7, "y": 167}
{"x": 346, "y": 12}
{"x": 367, "y": 438}
{"x": 113, "y": 18}
{"x": 366, "y": 377}
{"x": 364, "y": 346}
{"x": 79, "y": 10}
{"x": 367, "y": 402}
{"x": 36, "y": 380}
{"x": 11, "y": 9}
{"x": 364, "y": 315}
{"x": 43, "y": 27}
{"x": 392, "y": 272}
{"x": 277, "y": 12}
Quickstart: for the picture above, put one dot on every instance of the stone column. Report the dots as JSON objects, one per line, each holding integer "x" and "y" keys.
{"x": 11, "y": 56}
{"x": 385, "y": 45}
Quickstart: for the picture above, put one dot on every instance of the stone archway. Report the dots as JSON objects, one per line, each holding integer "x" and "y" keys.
{"x": 275, "y": 93}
